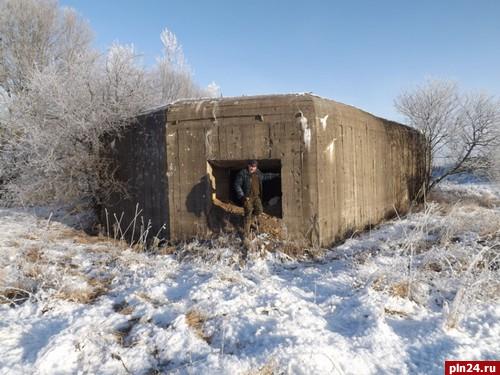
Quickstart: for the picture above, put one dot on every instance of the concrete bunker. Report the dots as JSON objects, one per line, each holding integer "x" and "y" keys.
{"x": 342, "y": 169}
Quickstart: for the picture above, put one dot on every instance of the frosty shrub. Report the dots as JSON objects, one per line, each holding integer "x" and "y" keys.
{"x": 36, "y": 34}
{"x": 60, "y": 98}
{"x": 53, "y": 134}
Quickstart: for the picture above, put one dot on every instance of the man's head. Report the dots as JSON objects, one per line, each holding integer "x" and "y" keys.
{"x": 252, "y": 166}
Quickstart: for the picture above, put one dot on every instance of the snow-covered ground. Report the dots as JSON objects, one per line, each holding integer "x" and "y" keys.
{"x": 400, "y": 299}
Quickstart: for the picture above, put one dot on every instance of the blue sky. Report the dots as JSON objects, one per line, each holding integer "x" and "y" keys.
{"x": 358, "y": 52}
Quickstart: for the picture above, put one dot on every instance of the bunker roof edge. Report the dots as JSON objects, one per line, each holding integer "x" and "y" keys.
{"x": 206, "y": 107}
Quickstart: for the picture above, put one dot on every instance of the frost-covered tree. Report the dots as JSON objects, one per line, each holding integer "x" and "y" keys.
{"x": 171, "y": 78}
{"x": 35, "y": 34}
{"x": 460, "y": 129}
{"x": 60, "y": 99}
{"x": 124, "y": 83}
{"x": 476, "y": 136}
{"x": 213, "y": 90}
{"x": 172, "y": 49}
{"x": 55, "y": 128}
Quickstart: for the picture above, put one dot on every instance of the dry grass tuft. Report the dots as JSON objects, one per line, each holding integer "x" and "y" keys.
{"x": 166, "y": 250}
{"x": 400, "y": 289}
{"x": 153, "y": 301}
{"x": 293, "y": 249}
{"x": 397, "y": 313}
{"x": 379, "y": 283}
{"x": 270, "y": 368}
{"x": 195, "y": 320}
{"x": 229, "y": 278}
{"x": 13, "y": 296}
{"x": 61, "y": 234}
{"x": 433, "y": 266}
{"x": 86, "y": 239}
{"x": 122, "y": 332}
{"x": 123, "y": 308}
{"x": 85, "y": 296}
{"x": 12, "y": 243}
{"x": 78, "y": 237}
{"x": 33, "y": 271}
{"x": 95, "y": 289}
{"x": 33, "y": 254}
{"x": 468, "y": 218}
{"x": 29, "y": 236}
{"x": 447, "y": 199}
{"x": 298, "y": 249}
{"x": 256, "y": 247}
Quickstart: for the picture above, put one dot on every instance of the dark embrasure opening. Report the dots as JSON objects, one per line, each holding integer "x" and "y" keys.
{"x": 222, "y": 174}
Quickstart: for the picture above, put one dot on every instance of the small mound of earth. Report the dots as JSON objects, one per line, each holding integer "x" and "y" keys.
{"x": 228, "y": 217}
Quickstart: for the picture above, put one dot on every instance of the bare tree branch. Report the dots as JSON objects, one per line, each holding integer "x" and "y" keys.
{"x": 461, "y": 129}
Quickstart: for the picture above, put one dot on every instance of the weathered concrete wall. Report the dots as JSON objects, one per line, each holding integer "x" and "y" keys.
{"x": 342, "y": 169}
{"x": 237, "y": 129}
{"x": 139, "y": 155}
{"x": 369, "y": 168}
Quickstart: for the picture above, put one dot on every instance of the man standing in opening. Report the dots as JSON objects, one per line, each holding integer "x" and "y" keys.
{"x": 248, "y": 187}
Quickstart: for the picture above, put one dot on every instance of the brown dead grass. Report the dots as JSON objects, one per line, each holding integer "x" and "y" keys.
{"x": 400, "y": 289}
{"x": 123, "y": 308}
{"x": 270, "y": 368}
{"x": 12, "y": 243}
{"x": 229, "y": 278}
{"x": 122, "y": 333}
{"x": 29, "y": 236}
{"x": 13, "y": 295}
{"x": 294, "y": 249}
{"x": 153, "y": 301}
{"x": 86, "y": 239}
{"x": 400, "y": 314}
{"x": 195, "y": 320}
{"x": 85, "y": 296}
{"x": 66, "y": 261}
{"x": 166, "y": 250}
{"x": 78, "y": 236}
{"x": 95, "y": 288}
{"x": 448, "y": 200}
{"x": 434, "y": 266}
{"x": 379, "y": 283}
{"x": 139, "y": 247}
{"x": 33, "y": 271}
{"x": 466, "y": 218}
{"x": 60, "y": 233}
{"x": 33, "y": 254}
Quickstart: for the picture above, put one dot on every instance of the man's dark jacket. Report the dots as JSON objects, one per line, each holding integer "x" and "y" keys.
{"x": 243, "y": 182}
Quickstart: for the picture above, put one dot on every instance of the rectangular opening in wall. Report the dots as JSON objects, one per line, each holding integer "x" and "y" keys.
{"x": 222, "y": 175}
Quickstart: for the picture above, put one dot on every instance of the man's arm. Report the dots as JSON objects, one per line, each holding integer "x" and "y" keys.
{"x": 237, "y": 185}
